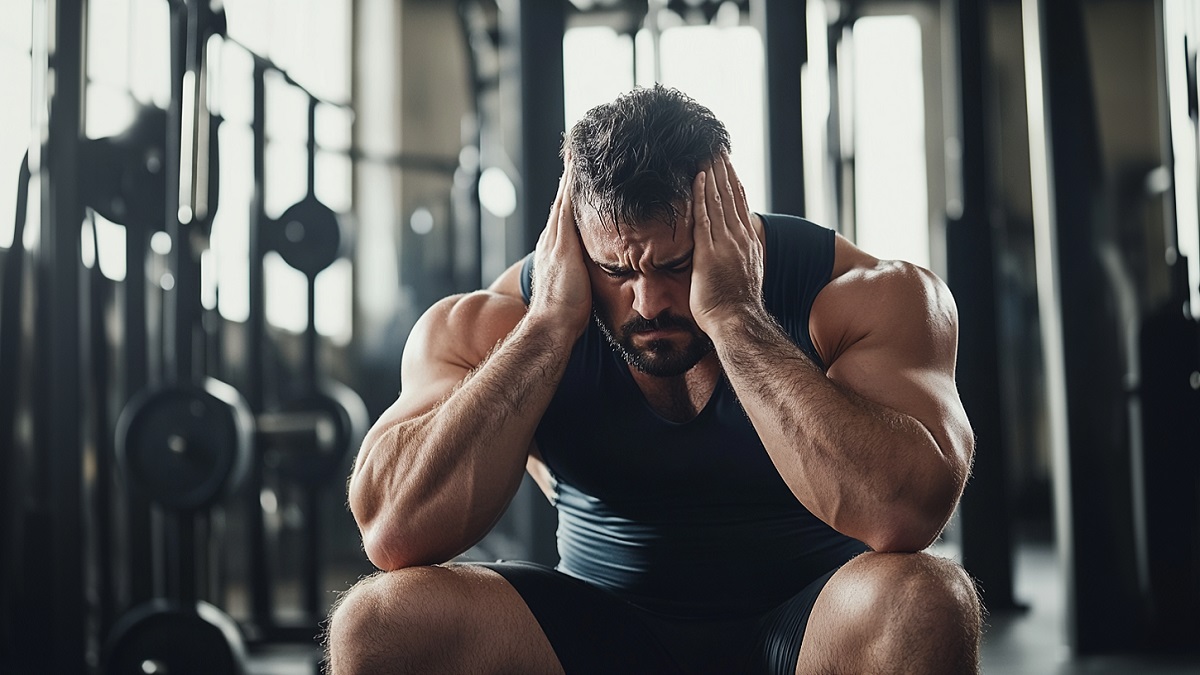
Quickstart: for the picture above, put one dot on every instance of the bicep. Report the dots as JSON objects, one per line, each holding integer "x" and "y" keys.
{"x": 451, "y": 339}
{"x": 906, "y": 362}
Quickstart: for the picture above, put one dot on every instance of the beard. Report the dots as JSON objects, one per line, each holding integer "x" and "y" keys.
{"x": 658, "y": 358}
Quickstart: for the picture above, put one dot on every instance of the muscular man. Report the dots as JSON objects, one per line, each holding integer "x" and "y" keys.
{"x": 749, "y": 427}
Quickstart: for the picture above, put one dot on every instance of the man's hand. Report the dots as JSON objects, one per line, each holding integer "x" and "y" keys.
{"x": 727, "y": 271}
{"x": 561, "y": 286}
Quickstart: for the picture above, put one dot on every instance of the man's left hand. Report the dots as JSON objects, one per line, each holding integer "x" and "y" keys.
{"x": 727, "y": 263}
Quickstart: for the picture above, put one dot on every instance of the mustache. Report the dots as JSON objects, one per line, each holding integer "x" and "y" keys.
{"x": 660, "y": 322}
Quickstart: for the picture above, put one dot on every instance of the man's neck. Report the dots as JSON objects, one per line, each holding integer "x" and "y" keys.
{"x": 680, "y": 398}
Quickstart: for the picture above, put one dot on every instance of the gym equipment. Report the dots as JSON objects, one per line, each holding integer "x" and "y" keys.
{"x": 308, "y": 235}
{"x": 174, "y": 638}
{"x": 126, "y": 182}
{"x": 306, "y": 437}
{"x": 186, "y": 445}
{"x": 332, "y": 418}
{"x": 1169, "y": 397}
{"x": 189, "y": 441}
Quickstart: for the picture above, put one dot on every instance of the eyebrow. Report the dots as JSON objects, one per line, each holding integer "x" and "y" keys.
{"x": 676, "y": 261}
{"x": 668, "y": 264}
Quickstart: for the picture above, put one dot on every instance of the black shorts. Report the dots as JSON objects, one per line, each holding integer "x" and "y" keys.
{"x": 595, "y": 631}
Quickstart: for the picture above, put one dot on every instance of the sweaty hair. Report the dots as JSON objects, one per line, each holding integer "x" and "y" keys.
{"x": 636, "y": 157}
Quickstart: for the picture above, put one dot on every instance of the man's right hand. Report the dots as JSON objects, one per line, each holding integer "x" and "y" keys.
{"x": 561, "y": 287}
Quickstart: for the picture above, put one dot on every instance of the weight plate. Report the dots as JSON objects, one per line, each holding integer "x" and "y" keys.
{"x": 341, "y": 422}
{"x": 185, "y": 446}
{"x": 165, "y": 637}
{"x": 307, "y": 235}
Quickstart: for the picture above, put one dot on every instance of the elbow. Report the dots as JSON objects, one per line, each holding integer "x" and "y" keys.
{"x": 391, "y": 550}
{"x": 381, "y": 537}
{"x": 908, "y": 530}
{"x": 383, "y": 557}
{"x": 901, "y": 539}
{"x": 383, "y": 552}
{"x": 916, "y": 518}
{"x": 393, "y": 542}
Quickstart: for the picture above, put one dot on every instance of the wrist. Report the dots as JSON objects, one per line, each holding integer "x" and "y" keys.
{"x": 728, "y": 322}
{"x": 552, "y": 325}
{"x": 731, "y": 328}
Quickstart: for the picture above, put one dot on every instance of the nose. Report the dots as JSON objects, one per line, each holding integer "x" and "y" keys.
{"x": 649, "y": 299}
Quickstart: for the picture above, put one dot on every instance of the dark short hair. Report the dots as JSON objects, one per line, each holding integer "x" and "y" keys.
{"x": 635, "y": 158}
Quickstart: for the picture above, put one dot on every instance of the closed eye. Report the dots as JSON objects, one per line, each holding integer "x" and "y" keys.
{"x": 615, "y": 273}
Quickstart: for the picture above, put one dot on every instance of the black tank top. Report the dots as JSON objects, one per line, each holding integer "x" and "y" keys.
{"x": 687, "y": 518}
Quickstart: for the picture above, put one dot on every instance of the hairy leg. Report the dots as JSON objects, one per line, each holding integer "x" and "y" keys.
{"x": 897, "y": 613}
{"x": 451, "y": 619}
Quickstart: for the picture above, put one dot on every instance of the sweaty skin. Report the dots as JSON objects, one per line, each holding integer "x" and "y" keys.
{"x": 877, "y": 446}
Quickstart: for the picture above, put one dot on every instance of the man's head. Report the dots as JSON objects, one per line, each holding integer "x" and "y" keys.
{"x": 633, "y": 163}
{"x": 634, "y": 159}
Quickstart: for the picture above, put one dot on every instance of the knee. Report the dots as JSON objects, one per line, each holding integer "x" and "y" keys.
{"x": 914, "y": 608}
{"x": 372, "y": 622}
{"x": 917, "y": 587}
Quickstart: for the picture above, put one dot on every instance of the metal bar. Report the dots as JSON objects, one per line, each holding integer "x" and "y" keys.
{"x": 1088, "y": 414}
{"x": 12, "y": 336}
{"x": 58, "y": 393}
{"x": 100, "y": 506}
{"x": 138, "y": 537}
{"x": 539, "y": 34}
{"x": 177, "y": 351}
{"x": 260, "y": 578}
{"x": 312, "y": 342}
{"x": 267, "y": 64}
{"x": 784, "y": 28}
{"x": 987, "y": 547}
{"x": 311, "y": 560}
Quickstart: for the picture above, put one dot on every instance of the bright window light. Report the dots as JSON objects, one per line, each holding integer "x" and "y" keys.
{"x": 16, "y": 31}
{"x": 721, "y": 68}
{"x": 597, "y": 67}
{"x": 891, "y": 202}
{"x": 1180, "y": 21}
{"x": 497, "y": 193}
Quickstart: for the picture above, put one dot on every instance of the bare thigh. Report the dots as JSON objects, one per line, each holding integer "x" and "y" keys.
{"x": 452, "y": 619}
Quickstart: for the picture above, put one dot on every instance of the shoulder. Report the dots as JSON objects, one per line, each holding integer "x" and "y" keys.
{"x": 868, "y": 297}
{"x": 462, "y": 329}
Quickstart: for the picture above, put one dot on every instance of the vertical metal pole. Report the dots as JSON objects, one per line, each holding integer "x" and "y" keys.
{"x": 539, "y": 38}
{"x": 58, "y": 396}
{"x": 784, "y": 28}
{"x": 139, "y": 533}
{"x": 535, "y": 33}
{"x": 1084, "y": 362}
{"x": 987, "y": 547}
{"x": 260, "y": 580}
{"x": 99, "y": 506}
{"x": 310, "y": 562}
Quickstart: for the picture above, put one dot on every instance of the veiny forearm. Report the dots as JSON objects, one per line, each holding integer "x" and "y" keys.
{"x": 430, "y": 487}
{"x": 871, "y": 472}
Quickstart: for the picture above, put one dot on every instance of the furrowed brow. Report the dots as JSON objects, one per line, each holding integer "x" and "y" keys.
{"x": 674, "y": 262}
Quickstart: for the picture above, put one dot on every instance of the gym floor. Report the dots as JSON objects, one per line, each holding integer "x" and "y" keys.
{"x": 1033, "y": 641}
{"x": 1029, "y": 642}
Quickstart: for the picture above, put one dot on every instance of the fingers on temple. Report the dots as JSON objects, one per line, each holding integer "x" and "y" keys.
{"x": 738, "y": 191}
{"x": 566, "y": 207}
{"x": 700, "y": 214}
{"x": 561, "y": 205}
{"x": 713, "y": 197}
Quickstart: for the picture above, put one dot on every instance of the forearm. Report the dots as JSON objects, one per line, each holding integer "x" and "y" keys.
{"x": 869, "y": 471}
{"x": 429, "y": 487}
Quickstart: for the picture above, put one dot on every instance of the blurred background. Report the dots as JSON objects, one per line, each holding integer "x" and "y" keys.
{"x": 220, "y": 220}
